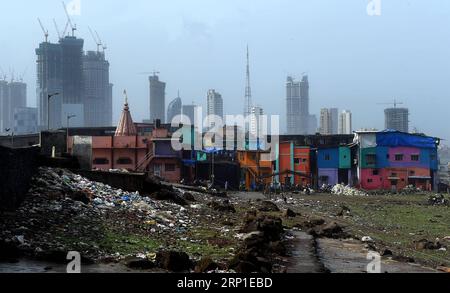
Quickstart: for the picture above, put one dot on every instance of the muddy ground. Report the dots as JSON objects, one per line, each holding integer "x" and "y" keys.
{"x": 322, "y": 233}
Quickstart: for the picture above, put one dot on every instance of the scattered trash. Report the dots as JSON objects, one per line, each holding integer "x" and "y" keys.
{"x": 340, "y": 189}
{"x": 367, "y": 239}
{"x": 438, "y": 200}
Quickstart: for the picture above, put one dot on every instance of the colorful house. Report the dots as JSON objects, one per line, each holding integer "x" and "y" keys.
{"x": 393, "y": 160}
{"x": 293, "y": 166}
{"x": 334, "y": 165}
{"x": 254, "y": 170}
{"x": 127, "y": 150}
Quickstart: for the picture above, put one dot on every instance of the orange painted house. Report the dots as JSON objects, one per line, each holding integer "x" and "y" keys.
{"x": 254, "y": 170}
{"x": 293, "y": 164}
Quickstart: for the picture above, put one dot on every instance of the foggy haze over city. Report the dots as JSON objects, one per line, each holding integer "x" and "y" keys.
{"x": 354, "y": 61}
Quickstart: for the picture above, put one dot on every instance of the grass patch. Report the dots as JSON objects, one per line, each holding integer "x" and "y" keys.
{"x": 124, "y": 244}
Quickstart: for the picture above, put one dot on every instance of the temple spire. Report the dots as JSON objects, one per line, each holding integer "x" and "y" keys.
{"x": 126, "y": 127}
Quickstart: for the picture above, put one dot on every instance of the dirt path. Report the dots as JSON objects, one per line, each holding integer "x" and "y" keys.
{"x": 338, "y": 256}
{"x": 304, "y": 258}
{"x": 350, "y": 256}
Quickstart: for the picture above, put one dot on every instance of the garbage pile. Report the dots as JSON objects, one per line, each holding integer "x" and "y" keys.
{"x": 340, "y": 189}
{"x": 438, "y": 200}
{"x": 410, "y": 189}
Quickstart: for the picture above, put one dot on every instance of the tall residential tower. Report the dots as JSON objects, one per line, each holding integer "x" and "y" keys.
{"x": 157, "y": 99}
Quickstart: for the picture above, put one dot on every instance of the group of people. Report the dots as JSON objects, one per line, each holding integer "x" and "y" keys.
{"x": 277, "y": 187}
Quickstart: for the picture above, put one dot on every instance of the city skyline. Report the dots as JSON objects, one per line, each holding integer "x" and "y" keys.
{"x": 195, "y": 42}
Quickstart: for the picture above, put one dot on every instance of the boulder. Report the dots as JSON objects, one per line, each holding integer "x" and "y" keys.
{"x": 173, "y": 261}
{"x": 206, "y": 265}
{"x": 169, "y": 195}
{"x": 278, "y": 247}
{"x": 188, "y": 196}
{"x": 290, "y": 213}
{"x": 268, "y": 206}
{"x": 331, "y": 230}
{"x": 139, "y": 263}
{"x": 224, "y": 206}
{"x": 387, "y": 252}
{"x": 425, "y": 244}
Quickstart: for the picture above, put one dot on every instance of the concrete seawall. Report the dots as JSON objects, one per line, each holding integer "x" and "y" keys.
{"x": 17, "y": 167}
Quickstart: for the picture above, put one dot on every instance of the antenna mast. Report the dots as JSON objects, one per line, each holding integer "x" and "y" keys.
{"x": 248, "y": 89}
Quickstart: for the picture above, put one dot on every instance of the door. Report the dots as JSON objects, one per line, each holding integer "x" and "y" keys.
{"x": 157, "y": 170}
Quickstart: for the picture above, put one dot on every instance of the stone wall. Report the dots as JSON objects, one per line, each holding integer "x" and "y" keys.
{"x": 17, "y": 167}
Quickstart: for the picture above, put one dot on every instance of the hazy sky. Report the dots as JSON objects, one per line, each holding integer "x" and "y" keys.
{"x": 354, "y": 60}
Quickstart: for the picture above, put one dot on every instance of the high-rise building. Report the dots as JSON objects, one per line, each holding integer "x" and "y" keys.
{"x": 325, "y": 122}
{"x": 97, "y": 90}
{"x": 256, "y": 122}
{"x": 174, "y": 109}
{"x": 73, "y": 98}
{"x": 329, "y": 121}
{"x": 304, "y": 105}
{"x": 297, "y": 106}
{"x": 397, "y": 119}
{"x": 4, "y": 106}
{"x": 292, "y": 106}
{"x": 334, "y": 112}
{"x": 49, "y": 81}
{"x": 191, "y": 111}
{"x": 345, "y": 122}
{"x": 13, "y": 95}
{"x": 25, "y": 120}
{"x": 17, "y": 94}
{"x": 157, "y": 99}
{"x": 60, "y": 70}
{"x": 313, "y": 125}
{"x": 215, "y": 108}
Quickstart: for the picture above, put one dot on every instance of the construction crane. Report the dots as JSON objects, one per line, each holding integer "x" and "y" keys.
{"x": 72, "y": 26}
{"x": 57, "y": 29}
{"x": 154, "y": 73}
{"x": 97, "y": 41}
{"x": 43, "y": 30}
{"x": 21, "y": 77}
{"x": 395, "y": 103}
{"x": 101, "y": 42}
{"x": 4, "y": 76}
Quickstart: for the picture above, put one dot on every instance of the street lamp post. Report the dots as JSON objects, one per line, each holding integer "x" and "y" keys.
{"x": 7, "y": 130}
{"x": 67, "y": 132}
{"x": 49, "y": 96}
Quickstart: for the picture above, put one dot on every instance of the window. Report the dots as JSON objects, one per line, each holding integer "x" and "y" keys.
{"x": 170, "y": 167}
{"x": 124, "y": 161}
{"x": 412, "y": 173}
{"x": 327, "y": 157}
{"x": 415, "y": 158}
{"x": 399, "y": 157}
{"x": 375, "y": 172}
{"x": 101, "y": 161}
{"x": 371, "y": 159}
{"x": 388, "y": 157}
{"x": 369, "y": 180}
{"x": 297, "y": 161}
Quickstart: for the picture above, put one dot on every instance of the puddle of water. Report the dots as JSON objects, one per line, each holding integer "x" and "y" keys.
{"x": 32, "y": 266}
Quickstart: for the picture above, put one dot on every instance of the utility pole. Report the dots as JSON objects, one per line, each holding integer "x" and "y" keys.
{"x": 67, "y": 132}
